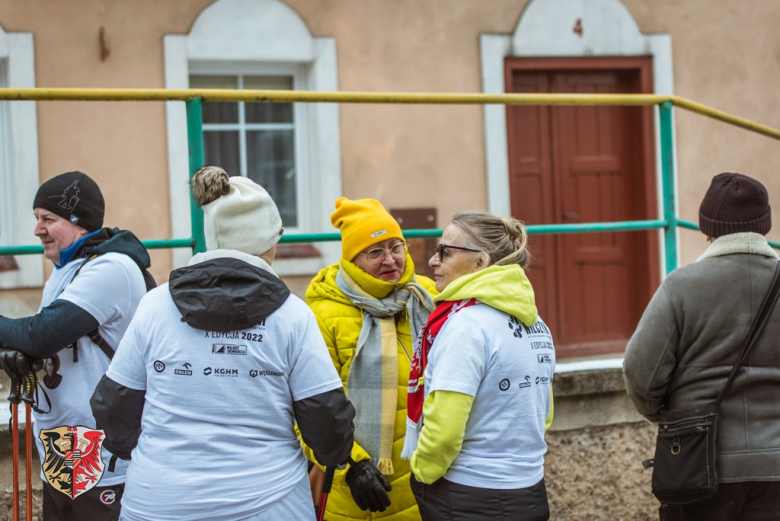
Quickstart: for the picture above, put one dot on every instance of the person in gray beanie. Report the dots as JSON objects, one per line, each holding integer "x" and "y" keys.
{"x": 99, "y": 277}
{"x": 688, "y": 340}
{"x": 216, "y": 369}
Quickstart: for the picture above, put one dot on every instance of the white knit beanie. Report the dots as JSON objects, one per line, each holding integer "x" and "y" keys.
{"x": 238, "y": 213}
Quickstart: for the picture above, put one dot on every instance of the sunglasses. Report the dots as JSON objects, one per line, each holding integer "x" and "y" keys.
{"x": 442, "y": 250}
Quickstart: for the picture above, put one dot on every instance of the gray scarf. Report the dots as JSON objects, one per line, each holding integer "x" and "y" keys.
{"x": 372, "y": 382}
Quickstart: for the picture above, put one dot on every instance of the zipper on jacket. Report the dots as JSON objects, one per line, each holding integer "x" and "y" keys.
{"x": 404, "y": 348}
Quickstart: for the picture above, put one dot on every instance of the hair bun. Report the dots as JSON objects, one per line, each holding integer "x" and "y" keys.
{"x": 514, "y": 228}
{"x": 209, "y": 184}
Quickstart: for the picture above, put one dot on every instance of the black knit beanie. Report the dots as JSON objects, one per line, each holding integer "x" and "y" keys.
{"x": 73, "y": 196}
{"x": 735, "y": 203}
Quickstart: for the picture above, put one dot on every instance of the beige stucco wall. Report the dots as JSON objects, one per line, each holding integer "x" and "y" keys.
{"x": 725, "y": 55}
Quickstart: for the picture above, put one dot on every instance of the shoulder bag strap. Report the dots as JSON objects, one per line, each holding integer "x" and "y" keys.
{"x": 762, "y": 317}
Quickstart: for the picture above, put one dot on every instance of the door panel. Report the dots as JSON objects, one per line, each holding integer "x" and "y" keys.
{"x": 579, "y": 164}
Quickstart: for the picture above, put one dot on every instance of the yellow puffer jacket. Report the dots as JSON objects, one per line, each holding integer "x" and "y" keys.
{"x": 340, "y": 322}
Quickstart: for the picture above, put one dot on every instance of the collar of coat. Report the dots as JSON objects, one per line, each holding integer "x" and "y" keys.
{"x": 231, "y": 254}
{"x": 745, "y": 242}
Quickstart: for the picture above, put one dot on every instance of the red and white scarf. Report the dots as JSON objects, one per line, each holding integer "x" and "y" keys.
{"x": 422, "y": 348}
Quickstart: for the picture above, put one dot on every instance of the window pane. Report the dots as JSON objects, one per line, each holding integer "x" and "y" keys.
{"x": 271, "y": 163}
{"x": 217, "y": 112}
{"x": 268, "y": 112}
{"x": 221, "y": 149}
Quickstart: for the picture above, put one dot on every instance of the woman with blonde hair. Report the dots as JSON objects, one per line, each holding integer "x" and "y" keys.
{"x": 369, "y": 307}
{"x": 480, "y": 388}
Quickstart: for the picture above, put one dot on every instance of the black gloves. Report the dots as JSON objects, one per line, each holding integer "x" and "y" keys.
{"x": 17, "y": 364}
{"x": 368, "y": 486}
{"x": 21, "y": 369}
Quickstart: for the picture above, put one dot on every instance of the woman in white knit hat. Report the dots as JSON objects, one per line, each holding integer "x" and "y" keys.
{"x": 215, "y": 369}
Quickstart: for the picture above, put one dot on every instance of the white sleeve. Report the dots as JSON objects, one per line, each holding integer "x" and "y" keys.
{"x": 103, "y": 288}
{"x": 128, "y": 367}
{"x": 458, "y": 358}
{"x": 311, "y": 371}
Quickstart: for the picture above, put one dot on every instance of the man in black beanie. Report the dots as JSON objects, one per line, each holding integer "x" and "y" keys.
{"x": 688, "y": 341}
{"x": 100, "y": 276}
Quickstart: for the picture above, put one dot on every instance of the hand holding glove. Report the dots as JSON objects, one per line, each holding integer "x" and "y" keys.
{"x": 368, "y": 486}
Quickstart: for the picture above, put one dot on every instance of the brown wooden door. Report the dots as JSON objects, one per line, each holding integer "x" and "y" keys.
{"x": 585, "y": 164}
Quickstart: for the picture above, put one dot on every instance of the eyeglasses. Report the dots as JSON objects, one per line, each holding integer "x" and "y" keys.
{"x": 397, "y": 250}
{"x": 442, "y": 250}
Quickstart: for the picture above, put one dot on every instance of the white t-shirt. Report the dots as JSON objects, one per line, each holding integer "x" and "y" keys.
{"x": 218, "y": 439}
{"x": 508, "y": 369}
{"x": 108, "y": 288}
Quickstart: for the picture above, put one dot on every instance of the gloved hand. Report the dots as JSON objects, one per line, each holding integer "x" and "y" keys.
{"x": 368, "y": 486}
{"x": 16, "y": 363}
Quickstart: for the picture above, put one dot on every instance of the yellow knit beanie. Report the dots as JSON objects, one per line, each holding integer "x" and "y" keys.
{"x": 363, "y": 222}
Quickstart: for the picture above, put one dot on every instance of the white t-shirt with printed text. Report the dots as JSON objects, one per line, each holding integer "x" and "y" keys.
{"x": 218, "y": 439}
{"x": 508, "y": 369}
{"x": 109, "y": 288}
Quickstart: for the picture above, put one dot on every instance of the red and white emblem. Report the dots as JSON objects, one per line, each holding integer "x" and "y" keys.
{"x": 73, "y": 464}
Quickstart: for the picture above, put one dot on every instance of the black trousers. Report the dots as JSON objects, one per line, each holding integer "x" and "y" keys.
{"x": 96, "y": 504}
{"x": 747, "y": 501}
{"x": 448, "y": 501}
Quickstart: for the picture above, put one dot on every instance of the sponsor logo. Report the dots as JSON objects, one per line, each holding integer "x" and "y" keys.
{"x": 187, "y": 371}
{"x": 543, "y": 358}
{"x": 159, "y": 366}
{"x": 254, "y": 373}
{"x": 221, "y": 371}
{"x": 542, "y": 380}
{"x": 378, "y": 233}
{"x": 72, "y": 462}
{"x": 526, "y": 382}
{"x": 108, "y": 497}
{"x": 228, "y": 349}
{"x": 516, "y": 326}
{"x": 504, "y": 384}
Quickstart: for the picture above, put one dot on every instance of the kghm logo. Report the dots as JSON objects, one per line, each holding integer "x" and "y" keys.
{"x": 542, "y": 380}
{"x": 228, "y": 349}
{"x": 184, "y": 372}
{"x": 159, "y": 366}
{"x": 221, "y": 371}
{"x": 526, "y": 382}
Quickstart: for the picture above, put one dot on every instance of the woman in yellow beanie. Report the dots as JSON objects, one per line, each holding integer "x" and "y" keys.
{"x": 370, "y": 307}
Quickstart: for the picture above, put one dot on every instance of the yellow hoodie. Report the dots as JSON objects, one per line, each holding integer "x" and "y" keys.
{"x": 340, "y": 322}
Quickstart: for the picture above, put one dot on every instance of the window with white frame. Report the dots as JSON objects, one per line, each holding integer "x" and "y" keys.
{"x": 5, "y": 216}
{"x": 256, "y": 140}
{"x": 293, "y": 150}
{"x": 19, "y": 175}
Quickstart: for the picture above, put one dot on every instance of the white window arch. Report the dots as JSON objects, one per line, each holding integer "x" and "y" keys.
{"x": 19, "y": 175}
{"x": 254, "y": 39}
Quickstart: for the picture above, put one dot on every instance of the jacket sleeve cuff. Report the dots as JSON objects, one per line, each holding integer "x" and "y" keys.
{"x": 445, "y": 414}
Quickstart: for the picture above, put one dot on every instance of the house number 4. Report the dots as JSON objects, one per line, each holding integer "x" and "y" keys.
{"x": 578, "y": 27}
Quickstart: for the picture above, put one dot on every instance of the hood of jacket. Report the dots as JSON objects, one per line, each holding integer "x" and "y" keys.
{"x": 505, "y": 288}
{"x": 114, "y": 240}
{"x": 226, "y": 291}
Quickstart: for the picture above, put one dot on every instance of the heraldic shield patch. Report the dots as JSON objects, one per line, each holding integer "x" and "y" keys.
{"x": 73, "y": 464}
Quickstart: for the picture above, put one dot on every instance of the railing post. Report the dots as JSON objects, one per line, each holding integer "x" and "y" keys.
{"x": 667, "y": 185}
{"x": 195, "y": 142}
